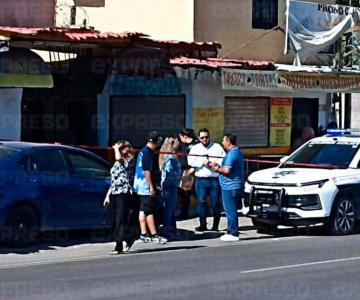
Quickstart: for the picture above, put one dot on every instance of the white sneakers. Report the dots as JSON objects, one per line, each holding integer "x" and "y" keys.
{"x": 229, "y": 238}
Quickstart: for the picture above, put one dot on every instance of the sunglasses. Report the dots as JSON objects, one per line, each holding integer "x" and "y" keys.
{"x": 203, "y": 137}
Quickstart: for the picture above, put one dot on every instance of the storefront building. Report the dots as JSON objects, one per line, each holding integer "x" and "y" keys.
{"x": 110, "y": 86}
{"x": 265, "y": 105}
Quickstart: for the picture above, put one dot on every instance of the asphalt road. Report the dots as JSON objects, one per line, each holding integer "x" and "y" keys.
{"x": 295, "y": 267}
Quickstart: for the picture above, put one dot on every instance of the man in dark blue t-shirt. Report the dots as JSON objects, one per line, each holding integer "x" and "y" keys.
{"x": 145, "y": 188}
{"x": 231, "y": 181}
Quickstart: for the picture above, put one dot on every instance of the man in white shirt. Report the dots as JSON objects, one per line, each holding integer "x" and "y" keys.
{"x": 206, "y": 180}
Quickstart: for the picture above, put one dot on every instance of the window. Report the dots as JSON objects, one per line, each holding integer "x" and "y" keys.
{"x": 248, "y": 120}
{"x": 333, "y": 154}
{"x": 47, "y": 162}
{"x": 87, "y": 166}
{"x": 264, "y": 14}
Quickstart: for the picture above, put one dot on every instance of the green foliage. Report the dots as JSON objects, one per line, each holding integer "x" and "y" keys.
{"x": 349, "y": 54}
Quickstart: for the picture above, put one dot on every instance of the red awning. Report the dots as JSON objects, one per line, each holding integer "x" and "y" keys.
{"x": 216, "y": 63}
{"x": 90, "y": 36}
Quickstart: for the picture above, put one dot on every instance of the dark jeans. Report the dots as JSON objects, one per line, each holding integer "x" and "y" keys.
{"x": 208, "y": 187}
{"x": 230, "y": 200}
{"x": 184, "y": 201}
{"x": 169, "y": 197}
{"x": 126, "y": 219}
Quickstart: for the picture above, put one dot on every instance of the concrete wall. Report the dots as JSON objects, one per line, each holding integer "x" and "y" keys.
{"x": 355, "y": 110}
{"x": 10, "y": 117}
{"x": 162, "y": 19}
{"x": 230, "y": 23}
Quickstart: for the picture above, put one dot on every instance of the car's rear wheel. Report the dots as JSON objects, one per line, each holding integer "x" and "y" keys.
{"x": 262, "y": 227}
{"x": 21, "y": 227}
{"x": 343, "y": 216}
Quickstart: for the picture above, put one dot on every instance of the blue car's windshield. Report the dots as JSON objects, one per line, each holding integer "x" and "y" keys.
{"x": 336, "y": 154}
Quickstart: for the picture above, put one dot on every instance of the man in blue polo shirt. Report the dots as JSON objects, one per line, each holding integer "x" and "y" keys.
{"x": 231, "y": 181}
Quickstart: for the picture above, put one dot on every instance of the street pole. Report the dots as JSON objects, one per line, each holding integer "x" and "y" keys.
{"x": 347, "y": 104}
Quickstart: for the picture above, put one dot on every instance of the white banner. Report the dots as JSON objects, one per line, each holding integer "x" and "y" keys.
{"x": 313, "y": 27}
{"x": 236, "y": 79}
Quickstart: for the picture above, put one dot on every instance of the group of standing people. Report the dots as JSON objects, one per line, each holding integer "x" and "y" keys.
{"x": 132, "y": 192}
{"x": 219, "y": 175}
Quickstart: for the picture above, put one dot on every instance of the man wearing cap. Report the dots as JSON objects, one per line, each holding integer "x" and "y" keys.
{"x": 145, "y": 188}
{"x": 206, "y": 180}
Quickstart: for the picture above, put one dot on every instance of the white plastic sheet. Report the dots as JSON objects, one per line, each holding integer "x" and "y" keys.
{"x": 313, "y": 27}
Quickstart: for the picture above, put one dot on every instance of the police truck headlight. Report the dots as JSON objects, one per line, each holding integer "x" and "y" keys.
{"x": 305, "y": 202}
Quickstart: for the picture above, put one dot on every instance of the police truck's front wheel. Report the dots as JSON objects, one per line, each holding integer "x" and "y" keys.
{"x": 343, "y": 216}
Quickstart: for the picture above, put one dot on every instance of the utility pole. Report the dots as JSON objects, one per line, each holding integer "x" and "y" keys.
{"x": 347, "y": 101}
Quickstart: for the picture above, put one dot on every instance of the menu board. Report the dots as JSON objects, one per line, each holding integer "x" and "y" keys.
{"x": 280, "y": 122}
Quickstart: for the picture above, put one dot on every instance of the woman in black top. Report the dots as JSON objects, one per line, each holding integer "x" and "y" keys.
{"x": 188, "y": 139}
{"x": 120, "y": 196}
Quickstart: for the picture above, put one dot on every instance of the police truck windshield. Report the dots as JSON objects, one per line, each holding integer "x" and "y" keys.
{"x": 321, "y": 154}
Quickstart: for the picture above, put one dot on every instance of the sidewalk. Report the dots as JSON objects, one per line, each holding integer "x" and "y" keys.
{"x": 187, "y": 237}
{"x": 90, "y": 248}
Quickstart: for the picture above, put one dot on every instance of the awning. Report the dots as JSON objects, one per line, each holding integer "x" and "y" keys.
{"x": 21, "y": 67}
{"x": 42, "y": 38}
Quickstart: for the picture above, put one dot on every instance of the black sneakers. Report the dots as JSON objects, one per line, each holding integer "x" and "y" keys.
{"x": 215, "y": 228}
{"x": 201, "y": 228}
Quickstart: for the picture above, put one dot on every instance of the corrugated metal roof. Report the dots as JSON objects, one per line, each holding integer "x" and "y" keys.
{"x": 211, "y": 46}
{"x": 216, "y": 63}
{"x": 72, "y": 34}
{"x": 75, "y": 35}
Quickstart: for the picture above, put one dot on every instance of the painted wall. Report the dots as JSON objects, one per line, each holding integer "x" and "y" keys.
{"x": 27, "y": 13}
{"x": 229, "y": 22}
{"x": 355, "y": 110}
{"x": 10, "y": 117}
{"x": 162, "y": 19}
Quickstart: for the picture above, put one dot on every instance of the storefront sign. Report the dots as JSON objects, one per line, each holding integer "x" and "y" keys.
{"x": 280, "y": 121}
{"x": 212, "y": 119}
{"x": 20, "y": 67}
{"x": 235, "y": 79}
{"x": 323, "y": 82}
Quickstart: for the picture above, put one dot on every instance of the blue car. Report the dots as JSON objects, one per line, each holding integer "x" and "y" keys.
{"x": 47, "y": 187}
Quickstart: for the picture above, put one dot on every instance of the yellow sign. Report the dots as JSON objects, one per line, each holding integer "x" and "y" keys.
{"x": 280, "y": 122}
{"x": 212, "y": 119}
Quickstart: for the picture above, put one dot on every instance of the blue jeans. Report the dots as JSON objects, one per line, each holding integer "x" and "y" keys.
{"x": 230, "y": 201}
{"x": 169, "y": 197}
{"x": 208, "y": 187}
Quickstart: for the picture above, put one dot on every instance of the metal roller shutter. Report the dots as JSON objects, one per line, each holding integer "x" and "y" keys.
{"x": 248, "y": 120}
{"x": 132, "y": 118}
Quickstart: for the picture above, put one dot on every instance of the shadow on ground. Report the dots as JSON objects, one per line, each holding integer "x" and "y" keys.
{"x": 54, "y": 239}
{"x": 62, "y": 239}
{"x": 149, "y": 250}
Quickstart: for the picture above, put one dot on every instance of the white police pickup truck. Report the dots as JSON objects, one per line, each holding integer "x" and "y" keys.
{"x": 318, "y": 183}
